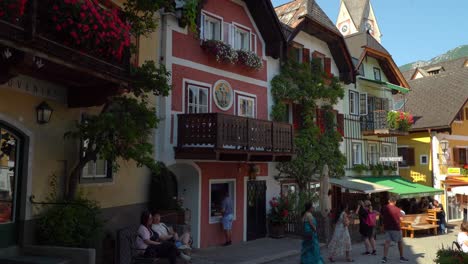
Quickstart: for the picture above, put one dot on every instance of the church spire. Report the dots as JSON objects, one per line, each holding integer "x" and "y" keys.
{"x": 357, "y": 16}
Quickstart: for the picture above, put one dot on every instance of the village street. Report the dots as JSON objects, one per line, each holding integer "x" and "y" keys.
{"x": 420, "y": 250}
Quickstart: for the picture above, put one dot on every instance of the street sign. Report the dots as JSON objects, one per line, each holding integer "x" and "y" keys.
{"x": 391, "y": 158}
{"x": 453, "y": 171}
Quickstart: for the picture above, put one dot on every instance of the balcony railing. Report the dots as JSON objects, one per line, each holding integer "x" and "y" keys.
{"x": 216, "y": 136}
{"x": 375, "y": 123}
{"x": 34, "y": 33}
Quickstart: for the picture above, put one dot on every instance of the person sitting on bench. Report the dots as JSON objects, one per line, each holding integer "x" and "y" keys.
{"x": 149, "y": 242}
{"x": 168, "y": 234}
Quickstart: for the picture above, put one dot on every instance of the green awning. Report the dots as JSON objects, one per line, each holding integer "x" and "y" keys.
{"x": 387, "y": 84}
{"x": 402, "y": 187}
{"x": 358, "y": 185}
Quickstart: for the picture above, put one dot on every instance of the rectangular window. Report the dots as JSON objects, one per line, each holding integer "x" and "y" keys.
{"x": 373, "y": 154}
{"x": 246, "y": 106}
{"x": 423, "y": 159}
{"x": 218, "y": 190}
{"x": 197, "y": 99}
{"x": 211, "y": 27}
{"x": 363, "y": 104}
{"x": 357, "y": 153}
{"x": 96, "y": 171}
{"x": 386, "y": 152}
{"x": 353, "y": 103}
{"x": 408, "y": 156}
{"x": 377, "y": 75}
{"x": 241, "y": 39}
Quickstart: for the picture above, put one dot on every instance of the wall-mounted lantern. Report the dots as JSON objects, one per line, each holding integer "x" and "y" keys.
{"x": 44, "y": 112}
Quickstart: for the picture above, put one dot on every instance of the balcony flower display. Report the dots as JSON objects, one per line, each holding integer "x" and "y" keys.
{"x": 222, "y": 51}
{"x": 12, "y": 10}
{"x": 86, "y": 25}
{"x": 399, "y": 120}
{"x": 249, "y": 59}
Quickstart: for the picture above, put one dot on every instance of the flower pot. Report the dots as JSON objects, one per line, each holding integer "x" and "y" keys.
{"x": 277, "y": 230}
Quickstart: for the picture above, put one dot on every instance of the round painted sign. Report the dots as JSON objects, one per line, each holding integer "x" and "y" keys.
{"x": 223, "y": 95}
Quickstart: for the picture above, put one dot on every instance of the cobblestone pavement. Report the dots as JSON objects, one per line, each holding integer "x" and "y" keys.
{"x": 419, "y": 250}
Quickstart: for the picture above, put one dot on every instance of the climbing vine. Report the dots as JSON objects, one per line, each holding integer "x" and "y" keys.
{"x": 306, "y": 86}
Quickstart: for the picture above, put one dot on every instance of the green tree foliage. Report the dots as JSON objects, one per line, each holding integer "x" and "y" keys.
{"x": 306, "y": 85}
{"x": 163, "y": 188}
{"x": 123, "y": 128}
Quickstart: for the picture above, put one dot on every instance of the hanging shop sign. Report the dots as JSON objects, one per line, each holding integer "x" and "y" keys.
{"x": 396, "y": 159}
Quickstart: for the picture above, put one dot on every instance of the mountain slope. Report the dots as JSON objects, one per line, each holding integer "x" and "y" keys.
{"x": 453, "y": 54}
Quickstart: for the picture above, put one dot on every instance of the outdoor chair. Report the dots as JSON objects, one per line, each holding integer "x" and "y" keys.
{"x": 455, "y": 245}
{"x": 137, "y": 254}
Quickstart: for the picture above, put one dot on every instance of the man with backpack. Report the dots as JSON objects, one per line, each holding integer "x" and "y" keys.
{"x": 367, "y": 220}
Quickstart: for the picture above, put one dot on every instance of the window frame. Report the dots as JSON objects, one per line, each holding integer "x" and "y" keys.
{"x": 378, "y": 73}
{"x": 421, "y": 157}
{"x": 205, "y": 15}
{"x": 242, "y": 29}
{"x": 356, "y": 100}
{"x": 248, "y": 97}
{"x": 370, "y": 159}
{"x": 218, "y": 219}
{"x": 385, "y": 153}
{"x": 187, "y": 103}
{"x": 406, "y": 163}
{"x": 354, "y": 158}
{"x": 96, "y": 178}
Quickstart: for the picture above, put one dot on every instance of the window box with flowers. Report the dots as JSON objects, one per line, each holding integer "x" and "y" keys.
{"x": 88, "y": 27}
{"x": 12, "y": 10}
{"x": 224, "y": 53}
{"x": 398, "y": 120}
{"x": 278, "y": 216}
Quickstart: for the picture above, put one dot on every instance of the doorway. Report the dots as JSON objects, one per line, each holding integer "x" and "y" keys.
{"x": 256, "y": 209}
{"x": 11, "y": 165}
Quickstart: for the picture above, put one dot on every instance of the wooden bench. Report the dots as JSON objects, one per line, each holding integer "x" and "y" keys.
{"x": 413, "y": 222}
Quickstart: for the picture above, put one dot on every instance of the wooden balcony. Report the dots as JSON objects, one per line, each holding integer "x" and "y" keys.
{"x": 30, "y": 45}
{"x": 375, "y": 124}
{"x": 216, "y": 136}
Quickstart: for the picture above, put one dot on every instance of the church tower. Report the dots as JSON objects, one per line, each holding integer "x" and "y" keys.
{"x": 357, "y": 16}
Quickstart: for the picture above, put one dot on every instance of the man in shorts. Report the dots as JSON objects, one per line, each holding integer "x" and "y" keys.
{"x": 228, "y": 215}
{"x": 391, "y": 220}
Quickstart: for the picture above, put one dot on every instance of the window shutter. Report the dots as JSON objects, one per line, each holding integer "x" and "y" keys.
{"x": 410, "y": 157}
{"x": 253, "y": 43}
{"x": 297, "y": 117}
{"x": 305, "y": 55}
{"x": 320, "y": 120}
{"x": 456, "y": 156}
{"x": 202, "y": 26}
{"x": 327, "y": 66}
{"x": 340, "y": 124}
{"x": 402, "y": 153}
{"x": 363, "y": 104}
{"x": 232, "y": 35}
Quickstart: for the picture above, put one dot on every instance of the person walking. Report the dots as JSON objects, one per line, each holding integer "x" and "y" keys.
{"x": 228, "y": 216}
{"x": 310, "y": 251}
{"x": 391, "y": 219}
{"x": 440, "y": 216}
{"x": 340, "y": 243}
{"x": 365, "y": 229}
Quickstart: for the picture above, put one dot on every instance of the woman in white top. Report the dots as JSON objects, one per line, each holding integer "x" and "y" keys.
{"x": 147, "y": 240}
{"x": 463, "y": 237}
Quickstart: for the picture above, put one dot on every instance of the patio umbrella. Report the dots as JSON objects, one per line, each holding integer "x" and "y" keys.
{"x": 324, "y": 187}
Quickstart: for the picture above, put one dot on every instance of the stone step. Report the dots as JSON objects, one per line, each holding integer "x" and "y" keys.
{"x": 32, "y": 260}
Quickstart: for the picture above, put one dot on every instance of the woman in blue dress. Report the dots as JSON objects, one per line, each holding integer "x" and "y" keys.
{"x": 310, "y": 252}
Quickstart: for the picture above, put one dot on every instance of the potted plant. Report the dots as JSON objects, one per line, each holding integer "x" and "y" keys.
{"x": 278, "y": 216}
{"x": 359, "y": 168}
{"x": 377, "y": 169}
{"x": 450, "y": 256}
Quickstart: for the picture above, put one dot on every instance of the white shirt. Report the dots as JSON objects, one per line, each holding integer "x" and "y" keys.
{"x": 143, "y": 234}
{"x": 463, "y": 237}
{"x": 161, "y": 229}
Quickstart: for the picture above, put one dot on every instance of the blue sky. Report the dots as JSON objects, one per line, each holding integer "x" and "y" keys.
{"x": 414, "y": 29}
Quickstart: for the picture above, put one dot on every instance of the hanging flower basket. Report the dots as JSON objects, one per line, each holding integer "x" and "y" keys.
{"x": 398, "y": 120}
{"x": 87, "y": 26}
{"x": 12, "y": 10}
